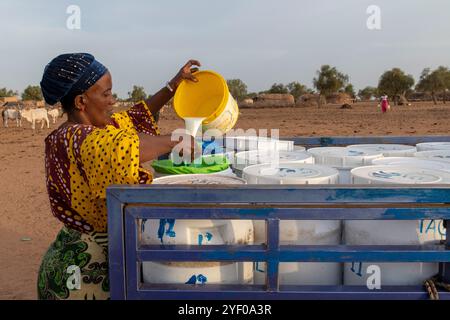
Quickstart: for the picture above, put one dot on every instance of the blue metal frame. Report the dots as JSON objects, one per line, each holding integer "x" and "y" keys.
{"x": 127, "y": 205}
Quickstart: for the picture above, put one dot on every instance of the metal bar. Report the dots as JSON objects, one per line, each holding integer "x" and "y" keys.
{"x": 279, "y": 194}
{"x": 291, "y": 253}
{"x": 116, "y": 252}
{"x": 131, "y": 262}
{"x": 236, "y": 292}
{"x": 256, "y": 213}
{"x": 445, "y": 267}
{"x": 273, "y": 247}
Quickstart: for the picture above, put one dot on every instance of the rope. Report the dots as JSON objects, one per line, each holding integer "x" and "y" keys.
{"x": 431, "y": 286}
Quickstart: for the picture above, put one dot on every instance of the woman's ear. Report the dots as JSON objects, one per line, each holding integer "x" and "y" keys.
{"x": 80, "y": 102}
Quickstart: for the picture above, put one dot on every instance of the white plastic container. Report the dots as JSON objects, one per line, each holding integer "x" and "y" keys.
{"x": 290, "y": 173}
{"x": 388, "y": 150}
{"x": 307, "y": 232}
{"x": 248, "y": 143}
{"x": 430, "y": 146}
{"x": 344, "y": 159}
{"x": 247, "y": 158}
{"x": 197, "y": 232}
{"x": 398, "y": 174}
{"x": 384, "y": 232}
{"x": 416, "y": 162}
{"x": 436, "y": 155}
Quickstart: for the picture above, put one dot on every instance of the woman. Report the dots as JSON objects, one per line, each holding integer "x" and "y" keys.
{"x": 86, "y": 154}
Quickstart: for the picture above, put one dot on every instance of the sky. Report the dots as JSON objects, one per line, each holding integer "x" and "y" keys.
{"x": 259, "y": 41}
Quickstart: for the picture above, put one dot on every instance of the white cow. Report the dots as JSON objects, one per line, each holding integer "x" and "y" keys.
{"x": 33, "y": 115}
{"x": 11, "y": 114}
{"x": 54, "y": 113}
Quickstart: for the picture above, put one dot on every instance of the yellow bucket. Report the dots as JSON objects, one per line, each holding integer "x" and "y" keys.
{"x": 208, "y": 98}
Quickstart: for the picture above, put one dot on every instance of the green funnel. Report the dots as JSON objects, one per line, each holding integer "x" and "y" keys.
{"x": 209, "y": 164}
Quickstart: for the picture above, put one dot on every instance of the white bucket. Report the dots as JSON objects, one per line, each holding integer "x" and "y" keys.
{"x": 343, "y": 159}
{"x": 290, "y": 173}
{"x": 430, "y": 146}
{"x": 398, "y": 174}
{"x": 388, "y": 150}
{"x": 385, "y": 232}
{"x": 248, "y": 158}
{"x": 436, "y": 155}
{"x": 197, "y": 232}
{"x": 248, "y": 143}
{"x": 416, "y": 162}
{"x": 300, "y": 231}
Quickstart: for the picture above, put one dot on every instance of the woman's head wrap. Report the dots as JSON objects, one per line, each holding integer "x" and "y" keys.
{"x": 68, "y": 74}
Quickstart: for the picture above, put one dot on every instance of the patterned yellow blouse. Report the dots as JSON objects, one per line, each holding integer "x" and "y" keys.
{"x": 82, "y": 161}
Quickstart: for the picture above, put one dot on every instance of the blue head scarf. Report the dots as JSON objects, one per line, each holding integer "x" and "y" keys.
{"x": 69, "y": 74}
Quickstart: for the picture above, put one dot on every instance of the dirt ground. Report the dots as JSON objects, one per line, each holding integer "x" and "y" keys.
{"x": 27, "y": 226}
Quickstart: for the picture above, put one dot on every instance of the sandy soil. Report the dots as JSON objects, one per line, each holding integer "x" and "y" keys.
{"x": 27, "y": 226}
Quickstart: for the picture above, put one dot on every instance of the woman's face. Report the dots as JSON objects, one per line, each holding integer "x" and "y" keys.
{"x": 98, "y": 101}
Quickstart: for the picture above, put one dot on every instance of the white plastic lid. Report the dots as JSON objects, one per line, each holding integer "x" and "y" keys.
{"x": 420, "y": 163}
{"x": 198, "y": 179}
{"x": 398, "y": 174}
{"x": 436, "y": 155}
{"x": 388, "y": 150}
{"x": 248, "y": 158}
{"x": 430, "y": 146}
{"x": 290, "y": 173}
{"x": 340, "y": 157}
{"x": 248, "y": 143}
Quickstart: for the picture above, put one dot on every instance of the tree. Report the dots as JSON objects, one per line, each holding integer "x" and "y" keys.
{"x": 137, "y": 94}
{"x": 395, "y": 83}
{"x": 435, "y": 81}
{"x": 368, "y": 93}
{"x": 297, "y": 89}
{"x": 329, "y": 80}
{"x": 238, "y": 89}
{"x": 32, "y": 93}
{"x": 7, "y": 93}
{"x": 278, "y": 88}
{"x": 350, "y": 90}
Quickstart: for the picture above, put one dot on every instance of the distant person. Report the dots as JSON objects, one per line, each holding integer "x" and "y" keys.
{"x": 385, "y": 103}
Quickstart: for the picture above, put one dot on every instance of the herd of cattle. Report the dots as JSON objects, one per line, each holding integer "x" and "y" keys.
{"x": 31, "y": 115}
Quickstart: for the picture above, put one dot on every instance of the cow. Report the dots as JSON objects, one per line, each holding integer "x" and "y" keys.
{"x": 54, "y": 113}
{"x": 12, "y": 114}
{"x": 33, "y": 115}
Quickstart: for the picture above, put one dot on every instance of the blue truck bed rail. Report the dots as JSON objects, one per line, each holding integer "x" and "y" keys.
{"x": 128, "y": 205}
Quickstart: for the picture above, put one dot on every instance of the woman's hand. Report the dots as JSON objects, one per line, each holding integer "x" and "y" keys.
{"x": 186, "y": 73}
{"x": 187, "y": 148}
{"x": 162, "y": 97}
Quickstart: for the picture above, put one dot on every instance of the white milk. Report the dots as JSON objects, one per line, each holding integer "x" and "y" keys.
{"x": 192, "y": 125}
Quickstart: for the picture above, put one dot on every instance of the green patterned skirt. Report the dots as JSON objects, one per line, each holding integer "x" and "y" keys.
{"x": 75, "y": 267}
